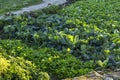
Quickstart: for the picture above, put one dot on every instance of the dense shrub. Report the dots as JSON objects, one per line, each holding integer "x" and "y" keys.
{"x": 97, "y": 24}
{"x": 52, "y": 9}
{"x": 60, "y": 65}
{"x": 48, "y": 60}
{"x": 75, "y": 28}
{"x": 4, "y": 64}
{"x": 81, "y": 34}
{"x": 19, "y": 68}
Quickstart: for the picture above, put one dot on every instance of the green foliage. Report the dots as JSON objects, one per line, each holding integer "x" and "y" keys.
{"x": 43, "y": 76}
{"x": 13, "y": 48}
{"x": 81, "y": 37}
{"x": 48, "y": 60}
{"x": 52, "y": 9}
{"x": 59, "y": 65}
{"x": 4, "y": 64}
{"x": 76, "y": 27}
{"x": 19, "y": 68}
{"x": 1, "y": 24}
{"x": 98, "y": 26}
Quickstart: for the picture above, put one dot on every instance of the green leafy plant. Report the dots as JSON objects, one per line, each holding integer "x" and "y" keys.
{"x": 19, "y": 68}
{"x": 82, "y": 36}
{"x": 60, "y": 65}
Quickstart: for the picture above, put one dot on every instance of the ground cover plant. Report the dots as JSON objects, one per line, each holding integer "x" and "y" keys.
{"x": 33, "y": 63}
{"x": 81, "y": 37}
{"x": 8, "y": 5}
{"x": 17, "y": 68}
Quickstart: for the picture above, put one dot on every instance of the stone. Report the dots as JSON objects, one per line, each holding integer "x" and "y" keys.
{"x": 108, "y": 78}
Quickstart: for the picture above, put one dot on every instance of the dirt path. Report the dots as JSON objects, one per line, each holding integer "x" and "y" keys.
{"x": 38, "y": 6}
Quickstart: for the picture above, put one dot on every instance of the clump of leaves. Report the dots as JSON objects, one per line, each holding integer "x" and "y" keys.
{"x": 60, "y": 65}
{"x": 19, "y": 68}
{"x": 87, "y": 29}
{"x": 44, "y": 60}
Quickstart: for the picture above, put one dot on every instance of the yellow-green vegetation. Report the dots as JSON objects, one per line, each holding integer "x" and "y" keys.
{"x": 68, "y": 42}
{"x": 3, "y": 65}
{"x": 19, "y": 68}
{"x": 28, "y": 63}
{"x": 8, "y": 5}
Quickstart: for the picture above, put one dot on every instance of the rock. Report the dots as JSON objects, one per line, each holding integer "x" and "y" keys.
{"x": 97, "y": 74}
{"x": 117, "y": 70}
{"x": 108, "y": 78}
{"x": 116, "y": 75}
{"x": 100, "y": 75}
{"x": 79, "y": 78}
